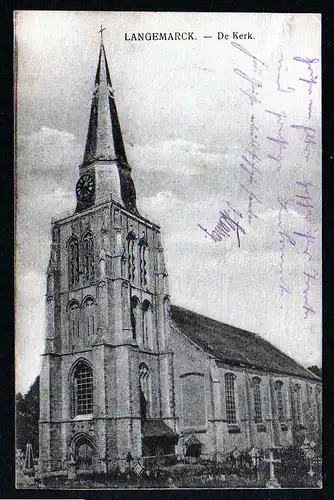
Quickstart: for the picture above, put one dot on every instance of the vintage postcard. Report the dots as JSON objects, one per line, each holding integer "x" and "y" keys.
{"x": 168, "y": 250}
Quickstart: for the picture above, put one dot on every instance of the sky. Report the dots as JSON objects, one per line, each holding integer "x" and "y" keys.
{"x": 211, "y": 126}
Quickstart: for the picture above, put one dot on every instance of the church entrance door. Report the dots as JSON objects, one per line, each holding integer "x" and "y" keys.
{"x": 84, "y": 456}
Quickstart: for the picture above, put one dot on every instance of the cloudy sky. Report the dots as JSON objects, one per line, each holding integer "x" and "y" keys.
{"x": 194, "y": 114}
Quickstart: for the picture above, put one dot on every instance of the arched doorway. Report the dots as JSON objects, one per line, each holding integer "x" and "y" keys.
{"x": 83, "y": 453}
{"x": 193, "y": 449}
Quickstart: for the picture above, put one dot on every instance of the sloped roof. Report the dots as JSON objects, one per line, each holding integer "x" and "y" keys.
{"x": 104, "y": 138}
{"x": 154, "y": 428}
{"x": 235, "y": 346}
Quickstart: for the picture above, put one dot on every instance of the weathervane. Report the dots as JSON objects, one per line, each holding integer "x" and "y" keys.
{"x": 101, "y": 30}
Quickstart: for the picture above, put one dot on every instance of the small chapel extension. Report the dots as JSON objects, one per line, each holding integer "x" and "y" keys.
{"x": 123, "y": 370}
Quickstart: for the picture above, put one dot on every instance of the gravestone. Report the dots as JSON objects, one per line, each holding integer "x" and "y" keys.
{"x": 272, "y": 483}
{"x": 29, "y": 460}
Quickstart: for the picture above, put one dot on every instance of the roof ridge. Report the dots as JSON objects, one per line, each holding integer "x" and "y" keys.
{"x": 215, "y": 320}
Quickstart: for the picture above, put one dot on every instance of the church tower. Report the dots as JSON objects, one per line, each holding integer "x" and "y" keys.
{"x": 107, "y": 373}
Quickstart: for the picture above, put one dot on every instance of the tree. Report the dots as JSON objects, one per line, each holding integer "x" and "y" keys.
{"x": 27, "y": 416}
{"x": 21, "y": 435}
{"x": 316, "y": 370}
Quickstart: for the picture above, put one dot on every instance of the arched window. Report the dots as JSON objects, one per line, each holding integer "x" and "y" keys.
{"x": 147, "y": 323}
{"x": 89, "y": 319}
{"x": 82, "y": 389}
{"x": 74, "y": 321}
{"x": 145, "y": 391}
{"x": 279, "y": 400}
{"x": 166, "y": 307}
{"x": 298, "y": 402}
{"x": 257, "y": 400}
{"x": 73, "y": 262}
{"x": 143, "y": 244}
{"x": 231, "y": 415}
{"x": 131, "y": 238}
{"x": 133, "y": 315}
{"x": 88, "y": 257}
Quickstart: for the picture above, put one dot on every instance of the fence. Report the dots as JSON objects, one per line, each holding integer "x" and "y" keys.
{"x": 294, "y": 467}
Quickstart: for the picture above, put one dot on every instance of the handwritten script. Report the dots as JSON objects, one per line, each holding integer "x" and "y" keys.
{"x": 227, "y": 224}
{"x": 307, "y": 241}
{"x": 275, "y": 168}
{"x": 251, "y": 157}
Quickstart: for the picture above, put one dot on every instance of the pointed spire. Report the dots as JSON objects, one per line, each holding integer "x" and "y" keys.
{"x": 104, "y": 138}
{"x": 105, "y": 143}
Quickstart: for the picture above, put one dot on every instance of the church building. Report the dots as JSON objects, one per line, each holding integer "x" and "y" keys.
{"x": 123, "y": 370}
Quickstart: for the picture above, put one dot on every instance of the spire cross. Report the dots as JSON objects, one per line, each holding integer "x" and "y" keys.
{"x": 101, "y": 30}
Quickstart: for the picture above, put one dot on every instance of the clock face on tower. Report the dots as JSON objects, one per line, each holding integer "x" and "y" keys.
{"x": 85, "y": 188}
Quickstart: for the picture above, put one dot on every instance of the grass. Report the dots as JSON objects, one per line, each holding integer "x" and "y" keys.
{"x": 172, "y": 477}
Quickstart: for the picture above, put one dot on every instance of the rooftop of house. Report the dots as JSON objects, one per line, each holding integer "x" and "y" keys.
{"x": 235, "y": 346}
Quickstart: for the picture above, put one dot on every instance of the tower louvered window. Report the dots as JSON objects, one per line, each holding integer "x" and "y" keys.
{"x": 83, "y": 389}
{"x": 89, "y": 319}
{"x": 88, "y": 257}
{"x": 74, "y": 322}
{"x": 131, "y": 238}
{"x": 145, "y": 391}
{"x": 147, "y": 323}
{"x": 231, "y": 415}
{"x": 73, "y": 262}
{"x": 143, "y": 244}
{"x": 133, "y": 316}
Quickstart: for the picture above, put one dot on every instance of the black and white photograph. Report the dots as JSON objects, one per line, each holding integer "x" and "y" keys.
{"x": 168, "y": 250}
